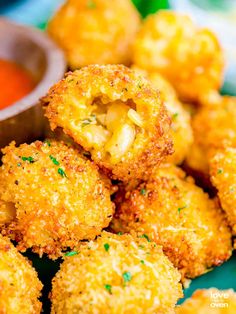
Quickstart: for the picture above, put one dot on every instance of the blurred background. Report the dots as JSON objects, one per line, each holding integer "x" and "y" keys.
{"x": 219, "y": 15}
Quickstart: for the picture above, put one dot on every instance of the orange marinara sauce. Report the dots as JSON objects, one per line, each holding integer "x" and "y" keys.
{"x": 15, "y": 83}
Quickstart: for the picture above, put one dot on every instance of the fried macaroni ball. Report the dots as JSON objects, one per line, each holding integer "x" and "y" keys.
{"x": 116, "y": 274}
{"x": 116, "y": 115}
{"x": 172, "y": 211}
{"x": 214, "y": 128}
{"x": 181, "y": 130}
{"x": 95, "y": 31}
{"x": 189, "y": 57}
{"x": 20, "y": 287}
{"x": 59, "y": 196}
{"x": 223, "y": 177}
{"x": 211, "y": 301}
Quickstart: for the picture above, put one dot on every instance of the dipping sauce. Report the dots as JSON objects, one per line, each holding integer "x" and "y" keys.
{"x": 15, "y": 83}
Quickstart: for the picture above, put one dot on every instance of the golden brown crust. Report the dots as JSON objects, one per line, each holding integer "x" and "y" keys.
{"x": 223, "y": 177}
{"x": 59, "y": 196}
{"x": 178, "y": 215}
{"x": 181, "y": 130}
{"x": 214, "y": 128}
{"x": 121, "y": 274}
{"x": 95, "y": 31}
{"x": 69, "y": 101}
{"x": 20, "y": 287}
{"x": 189, "y": 57}
{"x": 212, "y": 301}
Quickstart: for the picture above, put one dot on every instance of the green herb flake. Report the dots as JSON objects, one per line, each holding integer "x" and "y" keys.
{"x": 19, "y": 164}
{"x": 181, "y": 208}
{"x": 91, "y": 4}
{"x": 143, "y": 192}
{"x": 106, "y": 247}
{"x": 88, "y": 121}
{"x": 108, "y": 288}
{"x": 141, "y": 246}
{"x": 62, "y": 173}
{"x": 48, "y": 143}
{"x": 219, "y": 171}
{"x": 175, "y": 115}
{"x": 119, "y": 233}
{"x": 53, "y": 159}
{"x": 127, "y": 276}
{"x": 71, "y": 253}
{"x": 29, "y": 159}
{"x": 142, "y": 261}
{"x": 146, "y": 237}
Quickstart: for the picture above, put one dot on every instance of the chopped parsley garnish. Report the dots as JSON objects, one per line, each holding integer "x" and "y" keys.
{"x": 219, "y": 171}
{"x": 29, "y": 159}
{"x": 146, "y": 237}
{"x": 91, "y": 4}
{"x": 108, "y": 288}
{"x": 142, "y": 261}
{"x": 120, "y": 233}
{"x": 175, "y": 115}
{"x": 106, "y": 247}
{"x": 19, "y": 164}
{"x": 143, "y": 192}
{"x": 53, "y": 159}
{"x": 71, "y": 253}
{"x": 48, "y": 143}
{"x": 89, "y": 120}
{"x": 127, "y": 276}
{"x": 62, "y": 173}
{"x": 180, "y": 208}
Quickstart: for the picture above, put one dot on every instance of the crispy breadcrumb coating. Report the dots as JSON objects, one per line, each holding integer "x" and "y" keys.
{"x": 172, "y": 211}
{"x": 189, "y": 57}
{"x": 181, "y": 130}
{"x": 59, "y": 196}
{"x": 116, "y": 115}
{"x": 116, "y": 274}
{"x": 211, "y": 301}
{"x": 214, "y": 128}
{"x": 95, "y": 31}
{"x": 223, "y": 177}
{"x": 20, "y": 287}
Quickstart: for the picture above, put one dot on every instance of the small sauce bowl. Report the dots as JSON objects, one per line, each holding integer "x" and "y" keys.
{"x": 23, "y": 121}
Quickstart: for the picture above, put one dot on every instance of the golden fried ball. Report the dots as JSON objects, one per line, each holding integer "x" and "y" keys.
{"x": 20, "y": 287}
{"x": 210, "y": 301}
{"x": 172, "y": 211}
{"x": 116, "y": 115}
{"x": 223, "y": 177}
{"x": 214, "y": 127}
{"x": 181, "y": 130}
{"x": 95, "y": 31}
{"x": 189, "y": 57}
{"x": 116, "y": 274}
{"x": 59, "y": 196}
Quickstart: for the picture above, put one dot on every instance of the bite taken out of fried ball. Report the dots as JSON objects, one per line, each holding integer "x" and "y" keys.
{"x": 116, "y": 115}
{"x": 59, "y": 197}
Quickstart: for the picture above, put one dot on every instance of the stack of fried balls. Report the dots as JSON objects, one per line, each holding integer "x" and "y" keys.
{"x": 111, "y": 190}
